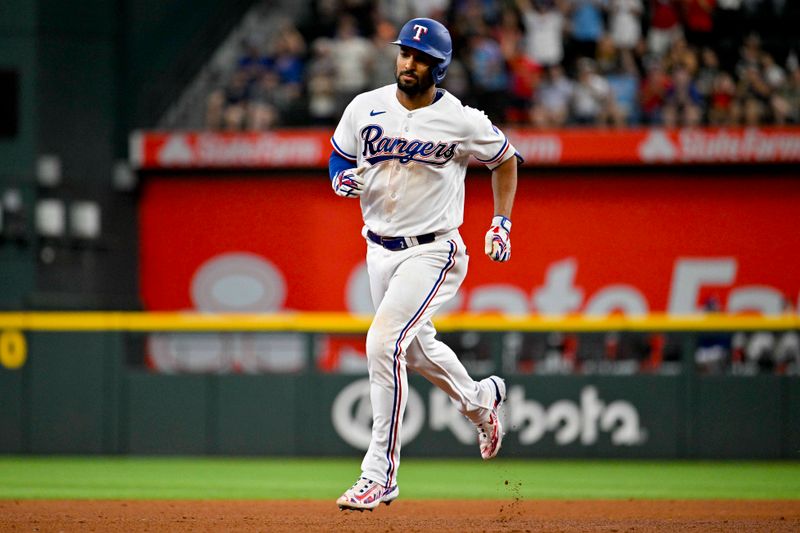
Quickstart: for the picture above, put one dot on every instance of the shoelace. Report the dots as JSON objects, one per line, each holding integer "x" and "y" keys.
{"x": 365, "y": 484}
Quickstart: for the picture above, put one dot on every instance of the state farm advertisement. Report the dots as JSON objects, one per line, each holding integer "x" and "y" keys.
{"x": 310, "y": 148}
{"x": 594, "y": 244}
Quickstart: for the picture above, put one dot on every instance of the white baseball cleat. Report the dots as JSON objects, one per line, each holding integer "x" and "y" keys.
{"x": 366, "y": 495}
{"x": 490, "y": 433}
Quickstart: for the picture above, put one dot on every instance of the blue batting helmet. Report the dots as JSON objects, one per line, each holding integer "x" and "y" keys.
{"x": 432, "y": 38}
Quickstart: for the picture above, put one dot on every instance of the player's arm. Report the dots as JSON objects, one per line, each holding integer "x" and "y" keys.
{"x": 491, "y": 147}
{"x": 504, "y": 187}
{"x": 346, "y": 180}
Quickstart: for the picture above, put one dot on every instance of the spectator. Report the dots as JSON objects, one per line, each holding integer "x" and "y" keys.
{"x": 489, "y": 77}
{"x": 754, "y": 96}
{"x": 509, "y": 33}
{"x": 553, "y": 99}
{"x": 398, "y": 12}
{"x": 708, "y": 72}
{"x": 383, "y": 71}
{"x": 503, "y": 56}
{"x": 288, "y": 63}
{"x": 468, "y": 19}
{"x": 606, "y": 55}
{"x": 775, "y": 77}
{"x": 287, "y": 57}
{"x": 586, "y": 26}
{"x": 592, "y": 101}
{"x": 625, "y": 24}
{"x": 321, "y": 82}
{"x": 226, "y": 108}
{"x": 544, "y": 27}
{"x": 457, "y": 80}
{"x": 523, "y": 71}
{"x": 654, "y": 89}
{"x": 215, "y": 108}
{"x": 682, "y": 101}
{"x": 253, "y": 62}
{"x": 749, "y": 54}
{"x": 664, "y": 26}
{"x": 723, "y": 107}
{"x": 524, "y": 76}
{"x": 790, "y": 93}
{"x": 268, "y": 96}
{"x": 680, "y": 54}
{"x": 624, "y": 83}
{"x": 352, "y": 58}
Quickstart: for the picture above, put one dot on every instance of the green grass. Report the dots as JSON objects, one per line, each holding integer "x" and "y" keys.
{"x": 276, "y": 478}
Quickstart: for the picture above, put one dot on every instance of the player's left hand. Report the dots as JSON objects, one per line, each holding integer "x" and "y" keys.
{"x": 497, "y": 243}
{"x": 349, "y": 183}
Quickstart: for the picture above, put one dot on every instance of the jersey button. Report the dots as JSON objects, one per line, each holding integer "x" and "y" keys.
{"x": 394, "y": 196}
{"x": 410, "y": 115}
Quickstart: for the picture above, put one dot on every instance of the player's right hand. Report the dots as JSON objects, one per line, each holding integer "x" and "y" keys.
{"x": 497, "y": 241}
{"x": 349, "y": 183}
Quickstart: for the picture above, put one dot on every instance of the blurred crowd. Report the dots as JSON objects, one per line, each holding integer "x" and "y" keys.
{"x": 540, "y": 63}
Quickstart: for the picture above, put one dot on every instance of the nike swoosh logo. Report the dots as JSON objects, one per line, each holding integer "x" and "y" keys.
{"x": 373, "y": 113}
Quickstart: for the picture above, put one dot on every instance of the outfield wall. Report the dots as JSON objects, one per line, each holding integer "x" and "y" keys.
{"x": 77, "y": 392}
{"x": 634, "y": 242}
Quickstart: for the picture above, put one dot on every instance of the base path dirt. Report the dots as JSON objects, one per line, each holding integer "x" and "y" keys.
{"x": 402, "y": 516}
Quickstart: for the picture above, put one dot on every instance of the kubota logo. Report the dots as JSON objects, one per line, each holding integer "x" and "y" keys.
{"x": 569, "y": 421}
{"x": 574, "y": 422}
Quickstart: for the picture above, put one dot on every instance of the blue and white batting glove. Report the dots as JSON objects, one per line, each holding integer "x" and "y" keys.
{"x": 497, "y": 243}
{"x": 349, "y": 183}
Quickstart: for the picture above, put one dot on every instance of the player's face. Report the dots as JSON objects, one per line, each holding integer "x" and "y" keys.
{"x": 414, "y": 75}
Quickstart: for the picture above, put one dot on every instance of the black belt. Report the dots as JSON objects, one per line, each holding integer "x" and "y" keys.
{"x": 400, "y": 243}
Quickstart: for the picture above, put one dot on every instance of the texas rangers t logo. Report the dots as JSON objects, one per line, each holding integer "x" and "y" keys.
{"x": 420, "y": 31}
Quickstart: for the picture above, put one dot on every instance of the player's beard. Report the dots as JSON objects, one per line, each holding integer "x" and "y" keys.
{"x": 416, "y": 87}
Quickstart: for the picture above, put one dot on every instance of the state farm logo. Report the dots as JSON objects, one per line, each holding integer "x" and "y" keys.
{"x": 238, "y": 150}
{"x": 691, "y": 145}
{"x": 570, "y": 422}
{"x": 176, "y": 152}
{"x": 657, "y": 148}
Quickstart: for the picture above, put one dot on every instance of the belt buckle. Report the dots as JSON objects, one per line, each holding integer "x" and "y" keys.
{"x": 393, "y": 243}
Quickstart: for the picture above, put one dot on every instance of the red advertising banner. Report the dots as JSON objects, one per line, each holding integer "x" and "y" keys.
{"x": 310, "y": 148}
{"x": 593, "y": 244}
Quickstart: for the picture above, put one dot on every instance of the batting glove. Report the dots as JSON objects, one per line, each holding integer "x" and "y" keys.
{"x": 348, "y": 183}
{"x": 497, "y": 243}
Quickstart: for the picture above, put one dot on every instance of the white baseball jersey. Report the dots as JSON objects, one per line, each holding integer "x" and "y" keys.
{"x": 417, "y": 159}
{"x": 414, "y": 185}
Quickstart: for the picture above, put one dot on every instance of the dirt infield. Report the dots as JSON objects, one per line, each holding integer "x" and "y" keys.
{"x": 402, "y": 516}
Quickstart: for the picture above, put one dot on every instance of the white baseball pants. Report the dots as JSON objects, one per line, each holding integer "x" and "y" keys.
{"x": 408, "y": 287}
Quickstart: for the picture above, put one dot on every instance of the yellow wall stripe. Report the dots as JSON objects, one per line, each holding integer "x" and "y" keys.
{"x": 344, "y": 323}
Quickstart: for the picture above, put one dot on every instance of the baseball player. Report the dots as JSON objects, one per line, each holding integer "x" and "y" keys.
{"x": 403, "y": 150}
